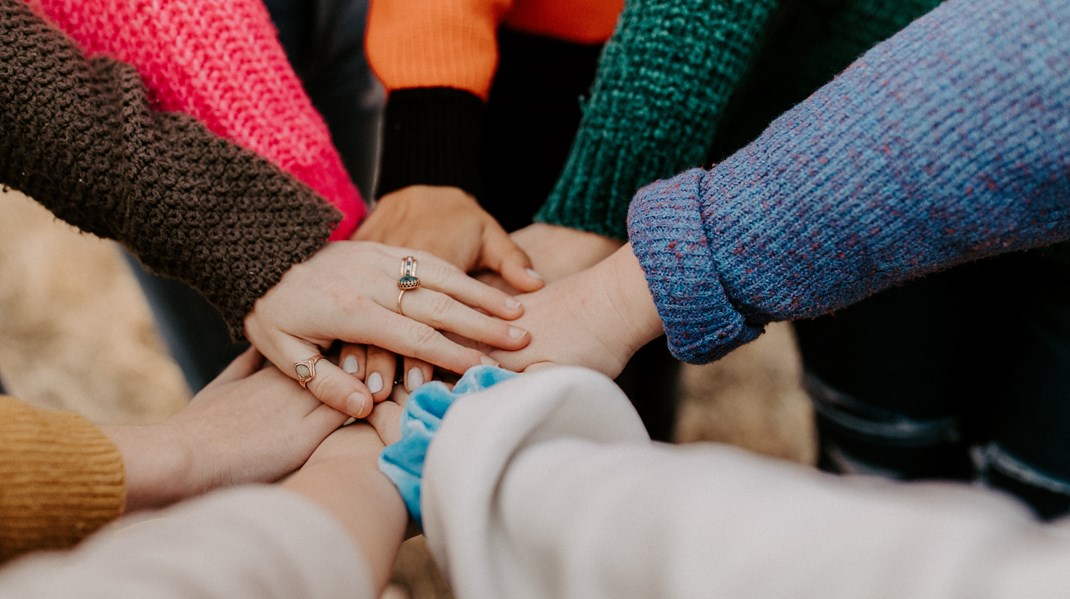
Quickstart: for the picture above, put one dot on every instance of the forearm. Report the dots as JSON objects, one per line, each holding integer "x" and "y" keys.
{"x": 944, "y": 144}
{"x": 361, "y": 499}
{"x": 560, "y": 494}
{"x": 662, "y": 83}
{"x": 246, "y": 542}
{"x": 79, "y": 137}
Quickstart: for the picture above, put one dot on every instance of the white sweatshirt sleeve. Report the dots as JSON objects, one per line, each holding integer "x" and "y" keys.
{"x": 257, "y": 541}
{"x": 546, "y": 486}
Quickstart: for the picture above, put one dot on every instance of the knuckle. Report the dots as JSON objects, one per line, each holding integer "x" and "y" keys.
{"x": 441, "y": 305}
{"x": 423, "y": 337}
{"x": 329, "y": 390}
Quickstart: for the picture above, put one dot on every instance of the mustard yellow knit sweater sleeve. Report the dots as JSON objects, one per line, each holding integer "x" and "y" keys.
{"x": 60, "y": 478}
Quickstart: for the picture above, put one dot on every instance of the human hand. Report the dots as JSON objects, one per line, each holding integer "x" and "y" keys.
{"x": 348, "y": 292}
{"x": 448, "y": 223}
{"x": 557, "y": 252}
{"x": 247, "y": 425}
{"x": 595, "y": 318}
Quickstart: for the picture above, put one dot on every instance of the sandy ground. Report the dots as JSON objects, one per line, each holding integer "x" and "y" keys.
{"x": 76, "y": 334}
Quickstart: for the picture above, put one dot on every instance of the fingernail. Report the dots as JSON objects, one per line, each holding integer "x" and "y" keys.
{"x": 355, "y": 403}
{"x": 416, "y": 378}
{"x": 517, "y": 332}
{"x": 511, "y": 303}
{"x": 488, "y": 361}
{"x": 350, "y": 365}
{"x": 375, "y": 382}
{"x": 531, "y": 273}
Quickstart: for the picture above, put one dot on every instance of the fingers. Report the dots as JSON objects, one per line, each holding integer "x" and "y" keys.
{"x": 504, "y": 256}
{"x": 441, "y": 276}
{"x": 331, "y": 385}
{"x": 442, "y": 312}
{"x": 352, "y": 358}
{"x": 244, "y": 365}
{"x": 386, "y": 420}
{"x": 381, "y": 365}
{"x": 412, "y": 338}
{"x": 416, "y": 373}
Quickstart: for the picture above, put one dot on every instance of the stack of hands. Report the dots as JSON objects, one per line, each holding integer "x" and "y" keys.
{"x": 337, "y": 328}
{"x": 544, "y": 294}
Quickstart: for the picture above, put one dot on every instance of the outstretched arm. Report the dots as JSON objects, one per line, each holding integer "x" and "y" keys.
{"x": 945, "y": 144}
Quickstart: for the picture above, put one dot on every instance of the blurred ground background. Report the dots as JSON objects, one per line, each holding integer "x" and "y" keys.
{"x": 76, "y": 334}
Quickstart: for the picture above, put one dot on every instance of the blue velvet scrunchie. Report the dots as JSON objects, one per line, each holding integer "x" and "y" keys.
{"x": 403, "y": 462}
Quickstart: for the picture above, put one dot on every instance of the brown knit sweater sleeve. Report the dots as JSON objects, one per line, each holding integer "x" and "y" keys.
{"x": 60, "y": 478}
{"x": 79, "y": 137}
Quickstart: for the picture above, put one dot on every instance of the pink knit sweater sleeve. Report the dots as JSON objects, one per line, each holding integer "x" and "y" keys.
{"x": 219, "y": 61}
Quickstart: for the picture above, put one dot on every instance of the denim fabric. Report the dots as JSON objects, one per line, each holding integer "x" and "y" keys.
{"x": 324, "y": 40}
{"x": 911, "y": 383}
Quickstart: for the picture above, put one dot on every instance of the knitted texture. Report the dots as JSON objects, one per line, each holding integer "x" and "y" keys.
{"x": 945, "y": 144}
{"x": 666, "y": 73}
{"x": 452, "y": 43}
{"x": 60, "y": 479}
{"x": 806, "y": 44}
{"x": 79, "y": 137}
{"x": 220, "y": 62}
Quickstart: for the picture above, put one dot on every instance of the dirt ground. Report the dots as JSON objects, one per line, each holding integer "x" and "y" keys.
{"x": 76, "y": 334}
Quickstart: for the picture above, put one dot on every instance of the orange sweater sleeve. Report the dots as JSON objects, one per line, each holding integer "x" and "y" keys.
{"x": 60, "y": 478}
{"x": 452, "y": 43}
{"x": 435, "y": 43}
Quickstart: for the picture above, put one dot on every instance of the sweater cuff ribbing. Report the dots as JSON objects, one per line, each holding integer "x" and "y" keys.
{"x": 431, "y": 136}
{"x": 667, "y": 235}
{"x": 61, "y": 479}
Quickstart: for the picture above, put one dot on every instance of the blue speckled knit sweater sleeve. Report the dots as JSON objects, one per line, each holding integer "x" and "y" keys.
{"x": 947, "y": 143}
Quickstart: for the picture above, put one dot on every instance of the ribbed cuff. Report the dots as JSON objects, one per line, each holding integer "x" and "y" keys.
{"x": 431, "y": 136}
{"x": 62, "y": 479}
{"x": 668, "y": 237}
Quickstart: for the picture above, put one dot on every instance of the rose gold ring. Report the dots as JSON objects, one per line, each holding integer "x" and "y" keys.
{"x": 306, "y": 370}
{"x": 408, "y": 280}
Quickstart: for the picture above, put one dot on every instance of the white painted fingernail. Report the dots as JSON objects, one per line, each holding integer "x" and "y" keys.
{"x": 488, "y": 361}
{"x": 511, "y": 303}
{"x": 416, "y": 378}
{"x": 517, "y": 332}
{"x": 350, "y": 365}
{"x": 355, "y": 403}
{"x": 375, "y": 382}
{"x": 532, "y": 273}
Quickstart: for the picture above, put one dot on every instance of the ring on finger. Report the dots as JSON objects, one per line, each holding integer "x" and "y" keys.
{"x": 306, "y": 370}
{"x": 408, "y": 280}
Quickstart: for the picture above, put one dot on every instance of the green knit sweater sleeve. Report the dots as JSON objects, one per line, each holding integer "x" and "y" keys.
{"x": 663, "y": 80}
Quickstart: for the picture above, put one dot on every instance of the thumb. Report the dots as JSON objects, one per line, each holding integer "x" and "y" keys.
{"x": 503, "y": 256}
{"x": 244, "y": 365}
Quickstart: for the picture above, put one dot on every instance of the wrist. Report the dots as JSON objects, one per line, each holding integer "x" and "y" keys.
{"x": 156, "y": 464}
{"x": 629, "y": 295}
{"x": 431, "y": 136}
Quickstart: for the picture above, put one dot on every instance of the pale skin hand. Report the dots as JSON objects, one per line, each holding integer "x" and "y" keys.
{"x": 248, "y": 425}
{"x": 596, "y": 318}
{"x": 558, "y": 252}
{"x": 448, "y": 223}
{"x": 348, "y": 291}
{"x": 343, "y": 477}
